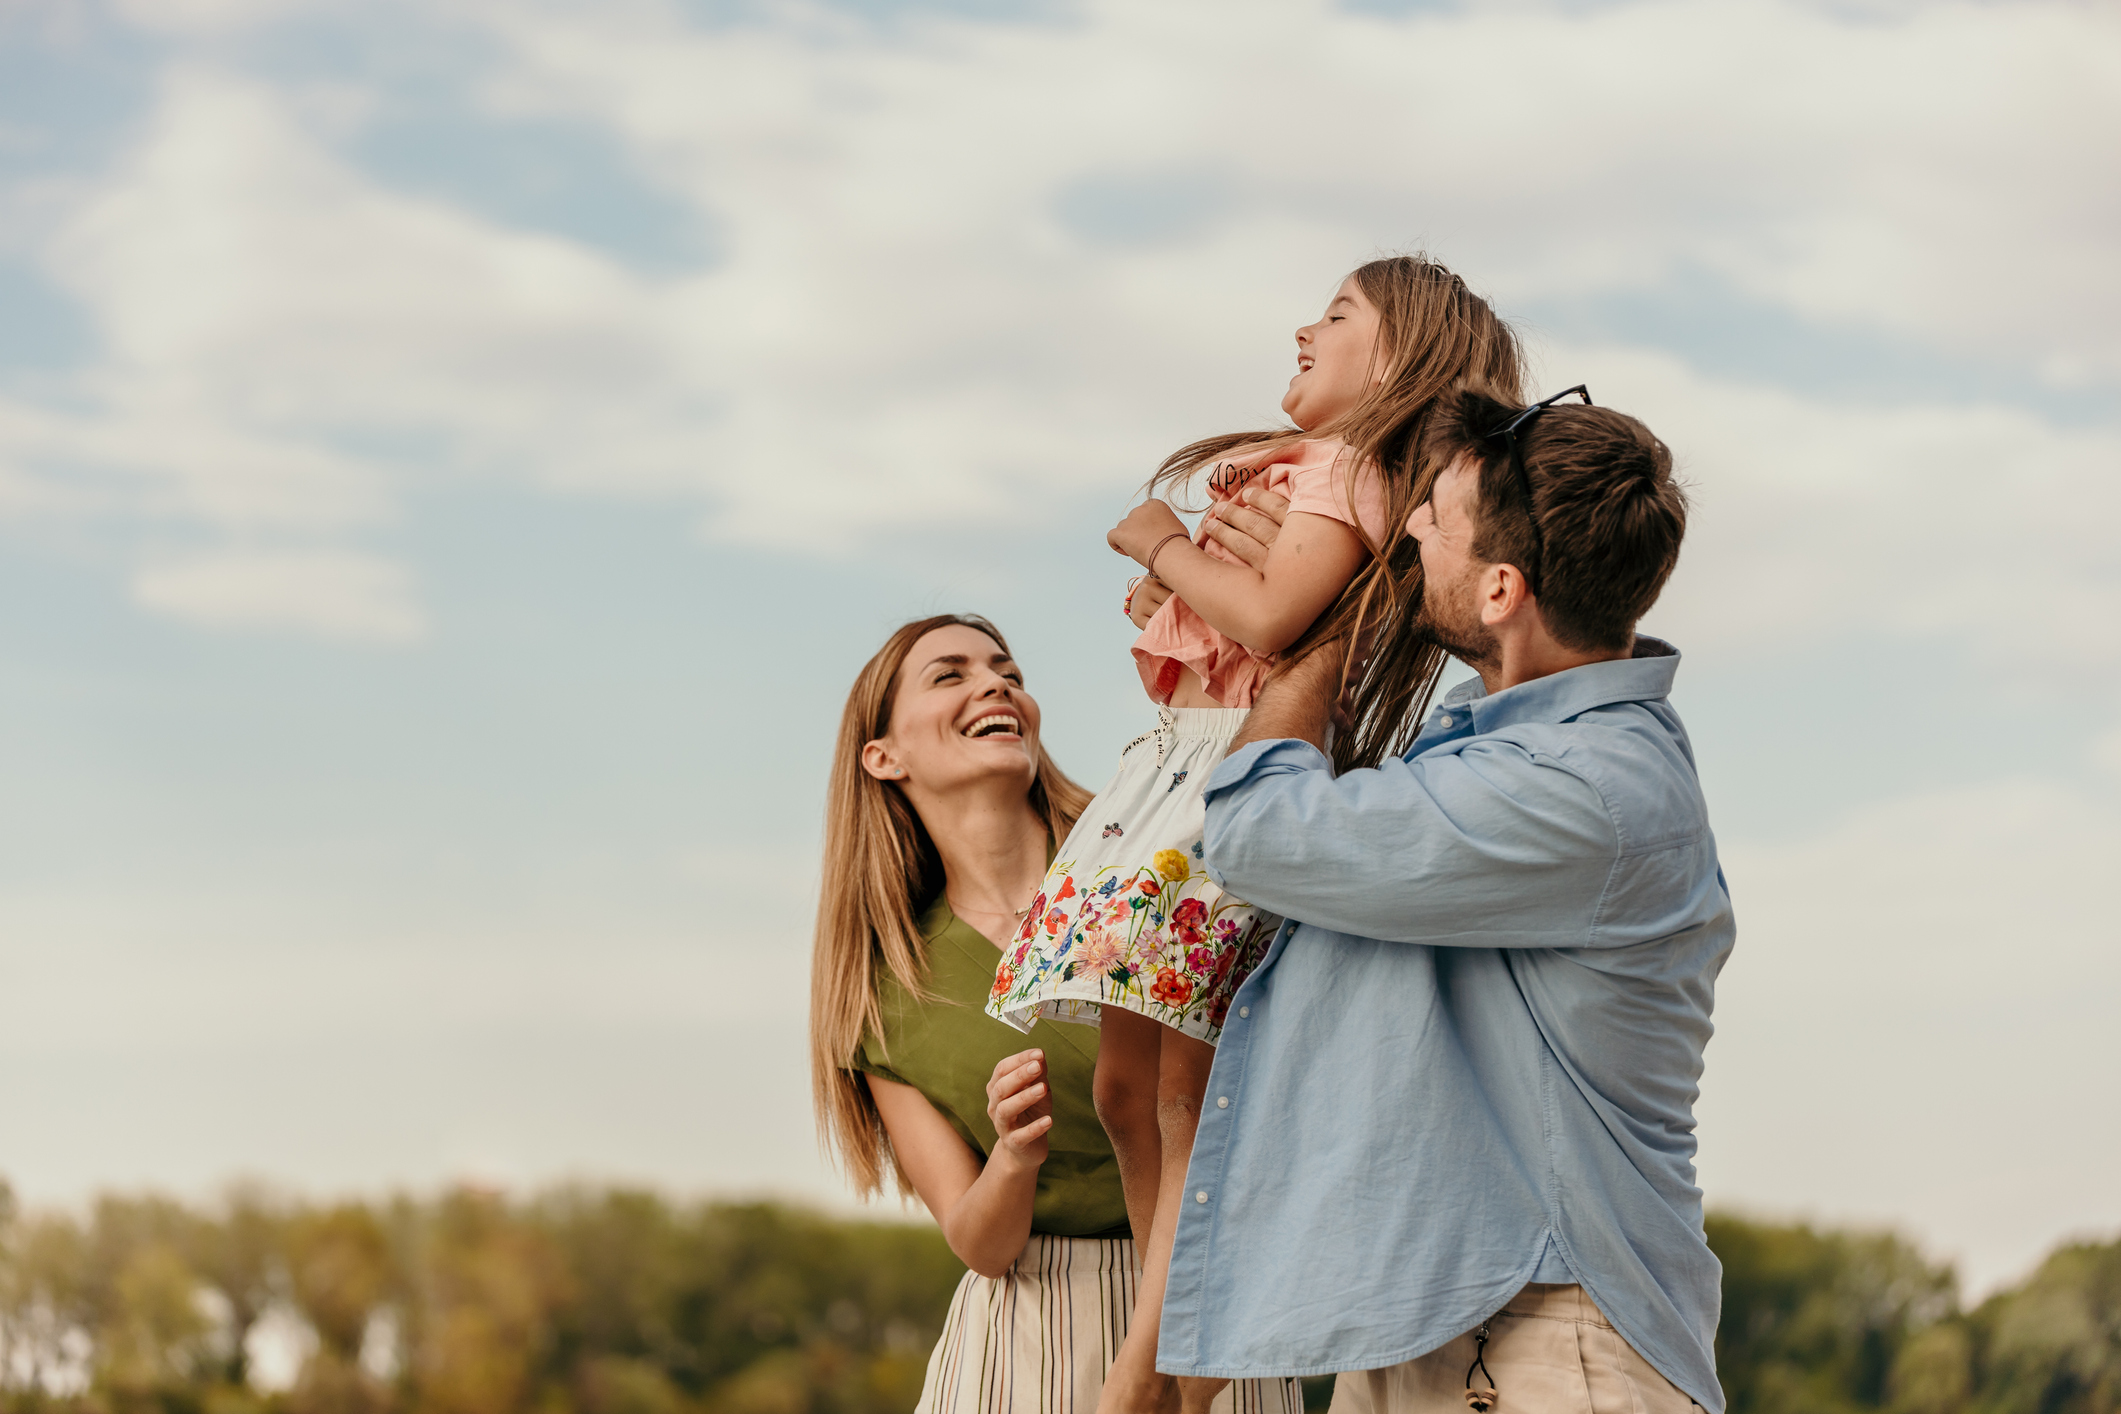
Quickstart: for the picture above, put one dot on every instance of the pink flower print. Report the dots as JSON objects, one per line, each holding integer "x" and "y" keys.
{"x": 1200, "y": 961}
{"x": 1101, "y": 952}
{"x": 1225, "y": 932}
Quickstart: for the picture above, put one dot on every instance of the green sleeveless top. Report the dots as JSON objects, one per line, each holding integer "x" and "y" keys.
{"x": 947, "y": 1048}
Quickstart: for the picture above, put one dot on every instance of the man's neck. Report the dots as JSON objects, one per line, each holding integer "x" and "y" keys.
{"x": 1527, "y": 657}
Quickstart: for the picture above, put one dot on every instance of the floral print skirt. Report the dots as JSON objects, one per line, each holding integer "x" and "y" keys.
{"x": 1127, "y": 916}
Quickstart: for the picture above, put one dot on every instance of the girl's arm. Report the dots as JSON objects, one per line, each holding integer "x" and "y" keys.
{"x": 984, "y": 1210}
{"x": 1265, "y": 609}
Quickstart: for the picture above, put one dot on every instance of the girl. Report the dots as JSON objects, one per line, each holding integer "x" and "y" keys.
{"x": 1127, "y": 931}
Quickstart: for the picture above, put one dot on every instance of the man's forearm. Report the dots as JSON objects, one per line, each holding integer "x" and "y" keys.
{"x": 1296, "y": 704}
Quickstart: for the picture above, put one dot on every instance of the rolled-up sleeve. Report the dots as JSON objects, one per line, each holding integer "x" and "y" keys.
{"x": 1491, "y": 845}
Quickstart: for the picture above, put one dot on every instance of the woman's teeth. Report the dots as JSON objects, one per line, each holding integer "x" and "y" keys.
{"x": 988, "y": 725}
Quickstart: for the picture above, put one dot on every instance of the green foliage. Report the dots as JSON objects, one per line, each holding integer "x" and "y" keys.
{"x": 1814, "y": 1321}
{"x": 1834, "y": 1322}
{"x": 575, "y": 1302}
{"x": 593, "y": 1301}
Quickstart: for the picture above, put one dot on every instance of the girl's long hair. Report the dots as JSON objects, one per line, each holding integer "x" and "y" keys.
{"x": 1433, "y": 335}
{"x": 881, "y": 872}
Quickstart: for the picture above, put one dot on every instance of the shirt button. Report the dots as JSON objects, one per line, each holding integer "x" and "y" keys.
{"x": 1201, "y": 1197}
{"x": 1244, "y": 1011}
{"x": 1443, "y": 721}
{"x": 1222, "y": 1102}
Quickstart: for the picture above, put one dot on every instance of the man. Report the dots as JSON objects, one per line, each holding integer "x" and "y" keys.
{"x": 1448, "y": 1142}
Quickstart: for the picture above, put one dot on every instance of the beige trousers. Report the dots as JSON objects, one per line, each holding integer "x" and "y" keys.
{"x": 1550, "y": 1351}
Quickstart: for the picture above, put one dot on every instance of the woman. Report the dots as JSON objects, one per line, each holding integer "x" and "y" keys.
{"x": 942, "y": 812}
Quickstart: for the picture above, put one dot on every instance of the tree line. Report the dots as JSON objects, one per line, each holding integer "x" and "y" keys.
{"x": 615, "y": 1301}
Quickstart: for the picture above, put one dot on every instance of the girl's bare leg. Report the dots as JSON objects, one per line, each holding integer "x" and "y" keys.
{"x": 1133, "y": 1385}
{"x": 1124, "y": 1087}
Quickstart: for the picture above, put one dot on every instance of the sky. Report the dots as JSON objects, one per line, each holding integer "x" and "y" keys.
{"x": 455, "y": 456}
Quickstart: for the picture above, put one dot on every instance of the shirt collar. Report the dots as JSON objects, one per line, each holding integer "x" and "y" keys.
{"x": 1644, "y": 677}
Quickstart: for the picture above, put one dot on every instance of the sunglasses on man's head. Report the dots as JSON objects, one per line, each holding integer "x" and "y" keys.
{"x": 1508, "y": 432}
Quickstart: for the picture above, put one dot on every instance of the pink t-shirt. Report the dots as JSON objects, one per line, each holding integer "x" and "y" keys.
{"x": 1313, "y": 474}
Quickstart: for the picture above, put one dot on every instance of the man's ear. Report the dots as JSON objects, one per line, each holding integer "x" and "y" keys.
{"x": 878, "y": 761}
{"x": 1503, "y": 594}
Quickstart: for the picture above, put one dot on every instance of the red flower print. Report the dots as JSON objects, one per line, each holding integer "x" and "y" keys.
{"x": 1170, "y": 988}
{"x": 1004, "y": 979}
{"x": 1218, "y": 1008}
{"x": 1055, "y": 921}
{"x": 1067, "y": 889}
{"x": 1188, "y": 919}
{"x": 1150, "y": 887}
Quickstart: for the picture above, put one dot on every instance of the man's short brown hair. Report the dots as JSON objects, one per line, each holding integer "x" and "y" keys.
{"x": 1610, "y": 515}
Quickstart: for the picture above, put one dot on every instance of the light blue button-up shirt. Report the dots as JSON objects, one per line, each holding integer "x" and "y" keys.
{"x": 1473, "y": 1062}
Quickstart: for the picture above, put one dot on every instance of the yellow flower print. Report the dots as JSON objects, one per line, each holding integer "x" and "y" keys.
{"x": 1171, "y": 863}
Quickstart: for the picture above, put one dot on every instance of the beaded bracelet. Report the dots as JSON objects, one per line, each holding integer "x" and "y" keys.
{"x": 1127, "y": 605}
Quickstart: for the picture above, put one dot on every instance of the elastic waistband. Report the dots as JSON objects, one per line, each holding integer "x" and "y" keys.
{"x": 1200, "y": 721}
{"x": 1556, "y": 1302}
{"x": 1047, "y": 1252}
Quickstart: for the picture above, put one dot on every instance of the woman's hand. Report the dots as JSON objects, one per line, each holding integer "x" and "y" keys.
{"x": 1145, "y": 528}
{"x": 1021, "y": 1107}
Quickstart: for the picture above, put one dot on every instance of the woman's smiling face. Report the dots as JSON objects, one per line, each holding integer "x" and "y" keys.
{"x": 959, "y": 717}
{"x": 1333, "y": 360}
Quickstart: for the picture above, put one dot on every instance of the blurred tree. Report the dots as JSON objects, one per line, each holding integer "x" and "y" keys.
{"x": 2053, "y": 1345}
{"x": 490, "y": 1284}
{"x": 585, "y": 1301}
{"x": 1813, "y": 1322}
{"x": 242, "y": 1255}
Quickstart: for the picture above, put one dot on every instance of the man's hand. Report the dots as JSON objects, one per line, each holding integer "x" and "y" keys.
{"x": 1245, "y": 526}
{"x": 1021, "y": 1107}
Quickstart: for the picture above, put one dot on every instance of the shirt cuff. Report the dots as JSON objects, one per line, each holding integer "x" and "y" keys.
{"x": 1265, "y": 758}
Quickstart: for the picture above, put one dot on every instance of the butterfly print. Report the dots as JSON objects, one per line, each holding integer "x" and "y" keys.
{"x": 1177, "y": 779}
{"x": 1113, "y": 829}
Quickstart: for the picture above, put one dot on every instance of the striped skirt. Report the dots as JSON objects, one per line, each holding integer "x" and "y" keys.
{"x": 1038, "y": 1339}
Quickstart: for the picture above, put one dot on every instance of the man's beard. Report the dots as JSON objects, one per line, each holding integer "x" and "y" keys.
{"x": 1448, "y": 618}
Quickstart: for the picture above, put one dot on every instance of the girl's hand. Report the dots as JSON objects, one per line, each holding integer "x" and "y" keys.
{"x": 1147, "y": 598}
{"x": 1021, "y": 1107}
{"x": 1143, "y": 529}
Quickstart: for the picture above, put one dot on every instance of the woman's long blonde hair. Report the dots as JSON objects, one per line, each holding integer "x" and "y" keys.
{"x": 881, "y": 873}
{"x": 1434, "y": 335}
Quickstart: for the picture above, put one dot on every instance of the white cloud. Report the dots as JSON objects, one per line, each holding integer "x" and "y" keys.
{"x": 1977, "y": 525}
{"x": 325, "y": 593}
{"x": 907, "y": 327}
{"x": 1917, "y": 1021}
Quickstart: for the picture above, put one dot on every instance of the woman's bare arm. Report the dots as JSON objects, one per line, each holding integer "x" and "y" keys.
{"x": 984, "y": 1209}
{"x": 1265, "y": 608}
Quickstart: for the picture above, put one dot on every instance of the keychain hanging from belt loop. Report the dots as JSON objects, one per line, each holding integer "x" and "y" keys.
{"x": 1481, "y": 1397}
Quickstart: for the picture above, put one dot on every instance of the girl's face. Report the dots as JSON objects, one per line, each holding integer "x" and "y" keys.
{"x": 1333, "y": 357}
{"x": 959, "y": 718}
